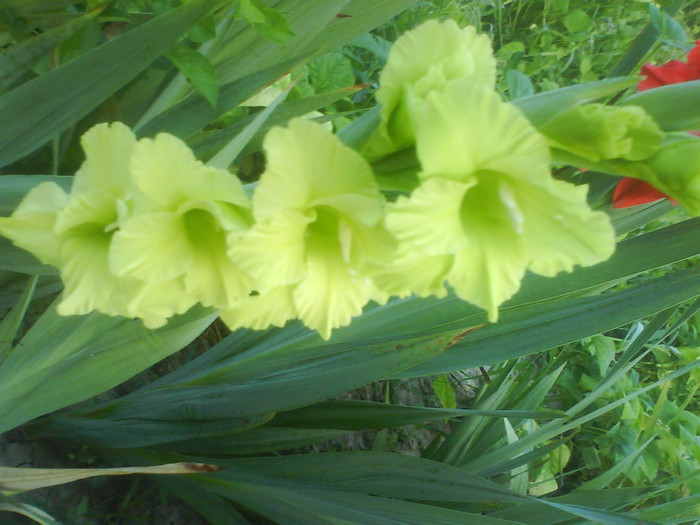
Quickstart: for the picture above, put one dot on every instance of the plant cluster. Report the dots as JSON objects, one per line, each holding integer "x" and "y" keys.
{"x": 464, "y": 235}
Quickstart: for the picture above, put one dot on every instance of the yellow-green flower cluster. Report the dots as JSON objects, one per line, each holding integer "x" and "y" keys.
{"x": 486, "y": 209}
{"x": 144, "y": 231}
{"x": 147, "y": 231}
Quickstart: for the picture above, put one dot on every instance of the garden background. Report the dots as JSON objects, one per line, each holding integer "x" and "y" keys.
{"x": 578, "y": 406}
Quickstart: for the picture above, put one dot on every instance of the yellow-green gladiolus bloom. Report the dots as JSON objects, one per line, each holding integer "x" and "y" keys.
{"x": 178, "y": 229}
{"x": 487, "y": 208}
{"x": 74, "y": 233}
{"x": 421, "y": 61}
{"x": 318, "y": 232}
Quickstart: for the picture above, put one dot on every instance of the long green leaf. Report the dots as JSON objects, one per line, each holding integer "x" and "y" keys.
{"x": 392, "y": 476}
{"x": 210, "y": 506}
{"x": 9, "y": 326}
{"x": 537, "y": 327}
{"x": 16, "y": 61}
{"x": 256, "y": 440}
{"x": 260, "y": 384}
{"x": 12, "y": 285}
{"x": 636, "y": 255}
{"x": 381, "y": 473}
{"x": 132, "y": 432}
{"x": 37, "y": 111}
{"x": 362, "y": 415}
{"x": 64, "y": 360}
{"x": 536, "y": 514}
{"x": 30, "y": 511}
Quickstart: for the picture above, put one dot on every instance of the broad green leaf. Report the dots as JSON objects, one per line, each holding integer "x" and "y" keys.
{"x": 12, "y": 285}
{"x": 16, "y": 259}
{"x": 331, "y": 71}
{"x": 685, "y": 509}
{"x": 250, "y": 12}
{"x": 273, "y": 25}
{"x": 415, "y": 315}
{"x": 669, "y": 30}
{"x": 355, "y": 474}
{"x": 675, "y": 107}
{"x": 627, "y": 219}
{"x": 576, "y": 20}
{"x": 17, "y": 60}
{"x": 444, "y": 391}
{"x": 68, "y": 359}
{"x": 295, "y": 504}
{"x": 257, "y": 384}
{"x": 603, "y": 349}
{"x": 198, "y": 70}
{"x": 382, "y": 473}
{"x": 362, "y": 15}
{"x": 519, "y": 84}
{"x": 539, "y": 326}
{"x": 246, "y": 52}
{"x": 37, "y": 111}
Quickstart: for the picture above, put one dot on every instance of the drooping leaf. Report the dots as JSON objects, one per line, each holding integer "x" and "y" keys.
{"x": 19, "y": 479}
{"x": 198, "y": 70}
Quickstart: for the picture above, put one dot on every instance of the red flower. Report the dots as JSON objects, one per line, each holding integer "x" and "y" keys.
{"x": 672, "y": 72}
{"x": 632, "y": 192}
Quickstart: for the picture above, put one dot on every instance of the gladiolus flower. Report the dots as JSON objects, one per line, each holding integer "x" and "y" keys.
{"x": 633, "y": 192}
{"x": 421, "y": 61}
{"x": 143, "y": 232}
{"x": 318, "y": 233}
{"x": 487, "y": 208}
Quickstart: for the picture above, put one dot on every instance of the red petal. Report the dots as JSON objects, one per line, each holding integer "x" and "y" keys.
{"x": 694, "y": 59}
{"x": 671, "y": 72}
{"x": 633, "y": 192}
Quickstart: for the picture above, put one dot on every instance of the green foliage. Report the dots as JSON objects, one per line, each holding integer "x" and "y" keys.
{"x": 198, "y": 70}
{"x": 584, "y": 416}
